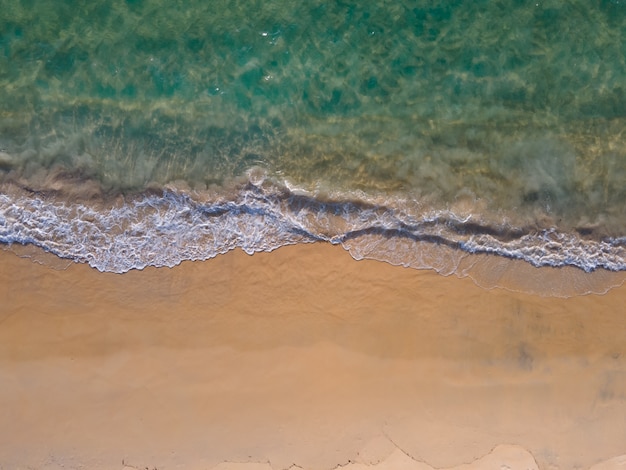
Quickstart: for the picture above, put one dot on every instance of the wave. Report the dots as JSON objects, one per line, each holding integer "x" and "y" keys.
{"x": 165, "y": 227}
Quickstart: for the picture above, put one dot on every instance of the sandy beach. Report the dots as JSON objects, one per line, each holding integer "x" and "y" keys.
{"x": 303, "y": 357}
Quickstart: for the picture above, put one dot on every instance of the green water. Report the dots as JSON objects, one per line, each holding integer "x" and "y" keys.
{"x": 515, "y": 109}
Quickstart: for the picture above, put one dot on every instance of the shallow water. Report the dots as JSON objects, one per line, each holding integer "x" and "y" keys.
{"x": 137, "y": 133}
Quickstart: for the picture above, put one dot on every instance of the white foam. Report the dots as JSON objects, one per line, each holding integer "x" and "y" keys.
{"x": 166, "y": 229}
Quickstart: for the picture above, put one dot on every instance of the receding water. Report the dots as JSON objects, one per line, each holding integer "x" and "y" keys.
{"x": 137, "y": 133}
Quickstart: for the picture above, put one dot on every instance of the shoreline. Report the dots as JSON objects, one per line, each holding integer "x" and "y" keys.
{"x": 304, "y": 357}
{"x": 262, "y": 216}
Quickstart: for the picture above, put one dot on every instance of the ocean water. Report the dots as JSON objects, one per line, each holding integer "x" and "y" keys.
{"x": 427, "y": 134}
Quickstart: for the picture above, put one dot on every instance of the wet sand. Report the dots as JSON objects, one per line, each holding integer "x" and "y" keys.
{"x": 303, "y": 357}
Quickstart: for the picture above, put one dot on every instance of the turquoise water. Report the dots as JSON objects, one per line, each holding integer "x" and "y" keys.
{"x": 136, "y": 133}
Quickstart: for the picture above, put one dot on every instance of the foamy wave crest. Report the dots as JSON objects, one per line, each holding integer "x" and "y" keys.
{"x": 167, "y": 228}
{"x": 152, "y": 230}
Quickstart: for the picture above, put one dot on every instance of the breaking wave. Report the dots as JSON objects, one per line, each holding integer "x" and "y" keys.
{"x": 164, "y": 228}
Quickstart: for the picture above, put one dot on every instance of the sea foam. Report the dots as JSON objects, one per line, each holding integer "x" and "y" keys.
{"x": 167, "y": 227}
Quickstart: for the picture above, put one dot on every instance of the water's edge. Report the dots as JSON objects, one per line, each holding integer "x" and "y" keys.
{"x": 168, "y": 226}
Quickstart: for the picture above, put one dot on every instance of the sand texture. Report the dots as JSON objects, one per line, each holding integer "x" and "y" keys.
{"x": 303, "y": 358}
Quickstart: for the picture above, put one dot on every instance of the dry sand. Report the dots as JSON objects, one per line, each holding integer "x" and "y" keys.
{"x": 303, "y": 357}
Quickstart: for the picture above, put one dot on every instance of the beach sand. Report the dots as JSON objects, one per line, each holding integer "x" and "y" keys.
{"x": 303, "y": 357}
